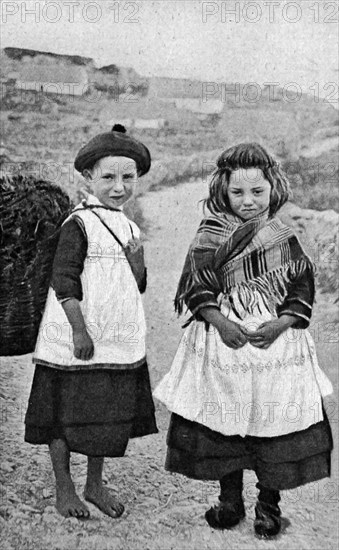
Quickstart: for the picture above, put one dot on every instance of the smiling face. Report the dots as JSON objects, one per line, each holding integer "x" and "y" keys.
{"x": 248, "y": 192}
{"x": 113, "y": 180}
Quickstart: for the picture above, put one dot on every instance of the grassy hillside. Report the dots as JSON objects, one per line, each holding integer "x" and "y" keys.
{"x": 45, "y": 132}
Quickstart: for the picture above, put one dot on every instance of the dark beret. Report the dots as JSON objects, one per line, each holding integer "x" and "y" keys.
{"x": 114, "y": 143}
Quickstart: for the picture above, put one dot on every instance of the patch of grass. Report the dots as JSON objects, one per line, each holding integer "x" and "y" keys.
{"x": 186, "y": 150}
{"x": 314, "y": 181}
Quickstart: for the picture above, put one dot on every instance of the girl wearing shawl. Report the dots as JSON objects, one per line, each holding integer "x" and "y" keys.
{"x": 91, "y": 391}
{"x": 245, "y": 388}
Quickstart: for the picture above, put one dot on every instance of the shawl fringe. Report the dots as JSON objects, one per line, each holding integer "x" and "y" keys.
{"x": 204, "y": 277}
{"x": 271, "y": 286}
{"x": 224, "y": 257}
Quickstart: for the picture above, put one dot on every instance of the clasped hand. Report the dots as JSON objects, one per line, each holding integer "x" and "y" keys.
{"x": 134, "y": 249}
{"x": 134, "y": 252}
{"x": 235, "y": 336}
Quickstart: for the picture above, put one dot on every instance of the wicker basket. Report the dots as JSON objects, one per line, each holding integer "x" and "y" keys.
{"x": 31, "y": 213}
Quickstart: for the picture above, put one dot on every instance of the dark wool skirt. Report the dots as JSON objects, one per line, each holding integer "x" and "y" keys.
{"x": 96, "y": 412}
{"x": 282, "y": 462}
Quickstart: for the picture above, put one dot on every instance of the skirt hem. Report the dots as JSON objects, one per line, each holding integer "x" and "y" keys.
{"x": 283, "y": 462}
{"x": 95, "y": 412}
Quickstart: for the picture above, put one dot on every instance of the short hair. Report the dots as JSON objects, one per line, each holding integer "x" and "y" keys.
{"x": 245, "y": 156}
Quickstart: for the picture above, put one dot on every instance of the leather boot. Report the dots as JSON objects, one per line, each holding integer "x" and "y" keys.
{"x": 230, "y": 509}
{"x": 267, "y": 521}
{"x": 225, "y": 515}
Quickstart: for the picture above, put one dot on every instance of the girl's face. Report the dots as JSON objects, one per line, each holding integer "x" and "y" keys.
{"x": 113, "y": 180}
{"x": 248, "y": 192}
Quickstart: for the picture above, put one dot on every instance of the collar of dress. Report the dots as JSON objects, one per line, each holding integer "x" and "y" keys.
{"x": 92, "y": 200}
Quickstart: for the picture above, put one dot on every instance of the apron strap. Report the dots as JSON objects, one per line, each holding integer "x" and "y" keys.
{"x": 107, "y": 227}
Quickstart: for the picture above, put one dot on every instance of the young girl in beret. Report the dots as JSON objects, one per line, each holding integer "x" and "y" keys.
{"x": 245, "y": 389}
{"x": 91, "y": 390}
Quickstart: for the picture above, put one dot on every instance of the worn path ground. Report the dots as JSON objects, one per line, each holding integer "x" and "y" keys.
{"x": 163, "y": 511}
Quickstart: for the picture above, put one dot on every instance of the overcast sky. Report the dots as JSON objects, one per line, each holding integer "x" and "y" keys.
{"x": 261, "y": 41}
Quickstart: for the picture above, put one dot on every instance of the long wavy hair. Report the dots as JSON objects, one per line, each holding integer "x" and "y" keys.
{"x": 245, "y": 156}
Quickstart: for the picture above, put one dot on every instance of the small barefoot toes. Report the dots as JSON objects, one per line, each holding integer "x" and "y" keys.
{"x": 68, "y": 504}
{"x": 105, "y": 501}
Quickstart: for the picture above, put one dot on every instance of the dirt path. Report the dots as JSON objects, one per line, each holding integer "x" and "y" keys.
{"x": 163, "y": 511}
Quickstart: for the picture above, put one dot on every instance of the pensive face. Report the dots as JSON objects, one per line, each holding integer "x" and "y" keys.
{"x": 248, "y": 192}
{"x": 113, "y": 180}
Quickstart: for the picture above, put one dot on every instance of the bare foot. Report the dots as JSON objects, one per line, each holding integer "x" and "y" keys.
{"x": 69, "y": 504}
{"x": 105, "y": 501}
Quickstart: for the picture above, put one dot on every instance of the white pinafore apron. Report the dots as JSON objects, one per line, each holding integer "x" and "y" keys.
{"x": 112, "y": 305}
{"x": 249, "y": 391}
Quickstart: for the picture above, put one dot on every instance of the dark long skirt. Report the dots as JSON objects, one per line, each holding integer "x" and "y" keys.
{"x": 281, "y": 462}
{"x": 96, "y": 412}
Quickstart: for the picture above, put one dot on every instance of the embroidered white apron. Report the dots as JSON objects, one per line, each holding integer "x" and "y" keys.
{"x": 248, "y": 391}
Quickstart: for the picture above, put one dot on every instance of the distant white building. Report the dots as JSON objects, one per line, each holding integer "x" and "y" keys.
{"x": 208, "y": 107}
{"x": 188, "y": 95}
{"x": 127, "y": 122}
{"x": 53, "y": 78}
{"x": 150, "y": 123}
{"x": 142, "y": 123}
{"x": 168, "y": 89}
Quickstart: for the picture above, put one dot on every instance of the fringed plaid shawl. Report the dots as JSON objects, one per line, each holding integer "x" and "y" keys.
{"x": 229, "y": 254}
